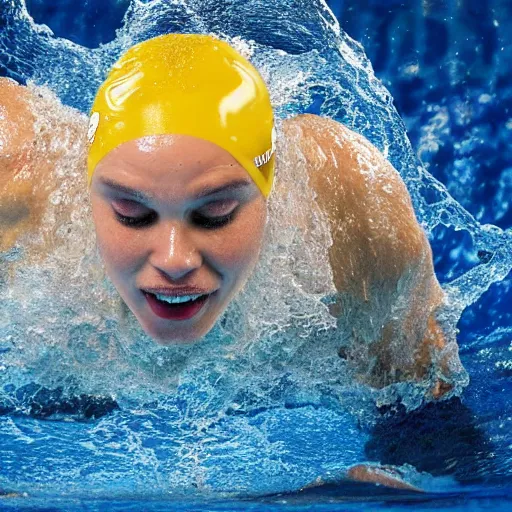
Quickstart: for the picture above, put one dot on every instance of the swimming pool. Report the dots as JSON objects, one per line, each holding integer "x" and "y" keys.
{"x": 80, "y": 433}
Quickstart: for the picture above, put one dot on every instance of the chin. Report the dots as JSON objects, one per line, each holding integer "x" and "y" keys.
{"x": 180, "y": 336}
{"x": 166, "y": 335}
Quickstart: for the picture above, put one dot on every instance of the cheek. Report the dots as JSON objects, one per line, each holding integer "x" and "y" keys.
{"x": 240, "y": 250}
{"x": 115, "y": 246}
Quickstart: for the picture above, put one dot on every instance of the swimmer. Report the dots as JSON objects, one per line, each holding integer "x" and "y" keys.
{"x": 181, "y": 155}
{"x": 180, "y": 167}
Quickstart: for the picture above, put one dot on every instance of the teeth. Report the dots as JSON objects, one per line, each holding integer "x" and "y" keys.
{"x": 176, "y": 300}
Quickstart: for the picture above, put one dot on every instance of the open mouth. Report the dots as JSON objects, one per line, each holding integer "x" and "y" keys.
{"x": 176, "y": 310}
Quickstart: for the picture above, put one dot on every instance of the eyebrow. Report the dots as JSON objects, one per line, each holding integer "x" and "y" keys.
{"x": 207, "y": 191}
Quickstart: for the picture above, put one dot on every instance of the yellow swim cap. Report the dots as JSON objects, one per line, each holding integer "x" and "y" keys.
{"x": 187, "y": 84}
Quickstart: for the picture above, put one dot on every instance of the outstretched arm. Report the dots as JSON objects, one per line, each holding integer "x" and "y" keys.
{"x": 380, "y": 257}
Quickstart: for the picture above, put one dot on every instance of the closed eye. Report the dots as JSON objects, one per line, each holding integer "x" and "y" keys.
{"x": 135, "y": 222}
{"x": 196, "y": 217}
{"x": 213, "y": 222}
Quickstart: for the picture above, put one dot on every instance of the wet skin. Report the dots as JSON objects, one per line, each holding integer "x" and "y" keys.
{"x": 27, "y": 160}
{"x": 18, "y": 200}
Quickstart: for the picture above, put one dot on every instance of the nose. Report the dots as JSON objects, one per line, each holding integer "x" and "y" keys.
{"x": 174, "y": 252}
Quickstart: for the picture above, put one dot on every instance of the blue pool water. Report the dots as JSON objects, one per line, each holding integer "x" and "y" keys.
{"x": 96, "y": 423}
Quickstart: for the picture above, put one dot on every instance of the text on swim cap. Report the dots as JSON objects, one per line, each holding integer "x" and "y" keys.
{"x": 265, "y": 157}
{"x": 93, "y": 126}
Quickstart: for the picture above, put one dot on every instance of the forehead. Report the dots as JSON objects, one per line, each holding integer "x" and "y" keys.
{"x": 169, "y": 164}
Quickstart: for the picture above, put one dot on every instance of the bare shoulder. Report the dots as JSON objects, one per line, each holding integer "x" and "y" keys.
{"x": 335, "y": 152}
{"x": 16, "y": 125}
{"x": 365, "y": 198}
{"x": 34, "y": 137}
{"x": 322, "y": 131}
{"x": 336, "y": 155}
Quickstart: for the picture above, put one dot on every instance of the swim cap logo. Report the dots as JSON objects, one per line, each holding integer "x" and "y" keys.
{"x": 94, "y": 121}
{"x": 265, "y": 158}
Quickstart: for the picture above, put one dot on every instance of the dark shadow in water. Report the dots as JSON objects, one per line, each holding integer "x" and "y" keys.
{"x": 345, "y": 492}
{"x": 441, "y": 438}
{"x": 43, "y": 403}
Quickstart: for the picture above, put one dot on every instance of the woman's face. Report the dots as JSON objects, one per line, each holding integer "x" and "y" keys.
{"x": 177, "y": 218}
